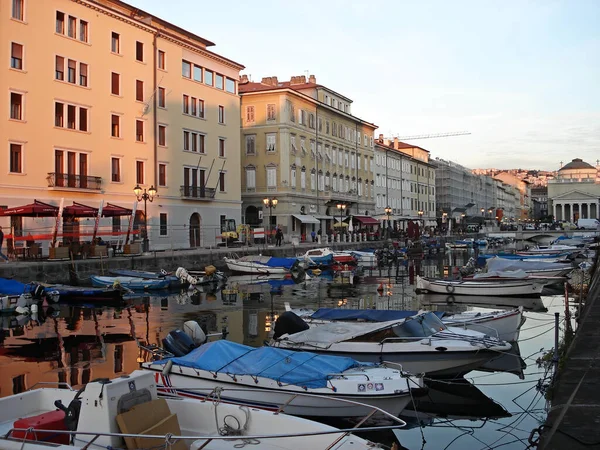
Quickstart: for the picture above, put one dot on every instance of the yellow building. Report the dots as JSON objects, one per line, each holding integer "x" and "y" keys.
{"x": 104, "y": 97}
{"x": 302, "y": 145}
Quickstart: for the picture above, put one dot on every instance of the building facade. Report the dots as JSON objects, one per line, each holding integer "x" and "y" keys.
{"x": 539, "y": 197}
{"x": 524, "y": 206}
{"x": 105, "y": 97}
{"x": 301, "y": 144}
{"x": 575, "y": 193}
{"x": 404, "y": 182}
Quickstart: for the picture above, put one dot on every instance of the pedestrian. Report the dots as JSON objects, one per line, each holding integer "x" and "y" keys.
{"x": 313, "y": 235}
{"x": 278, "y": 237}
{"x": 2, "y": 255}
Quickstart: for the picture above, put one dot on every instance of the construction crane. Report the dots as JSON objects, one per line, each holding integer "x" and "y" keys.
{"x": 432, "y": 136}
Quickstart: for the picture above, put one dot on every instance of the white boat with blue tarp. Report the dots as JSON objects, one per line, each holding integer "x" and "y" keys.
{"x": 133, "y": 283}
{"x": 262, "y": 265}
{"x": 269, "y": 378}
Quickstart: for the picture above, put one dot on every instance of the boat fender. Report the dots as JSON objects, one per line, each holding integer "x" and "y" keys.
{"x": 450, "y": 299}
{"x": 22, "y": 310}
{"x": 450, "y": 288}
{"x": 441, "y": 349}
{"x": 34, "y": 308}
{"x": 167, "y": 369}
{"x": 195, "y": 332}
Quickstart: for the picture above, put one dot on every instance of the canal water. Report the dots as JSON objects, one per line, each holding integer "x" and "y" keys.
{"x": 486, "y": 409}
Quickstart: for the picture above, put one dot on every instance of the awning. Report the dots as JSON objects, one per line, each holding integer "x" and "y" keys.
{"x": 111, "y": 210}
{"x": 366, "y": 220}
{"x": 79, "y": 210}
{"x": 306, "y": 218}
{"x": 322, "y": 217}
{"x": 337, "y": 219}
{"x": 35, "y": 209}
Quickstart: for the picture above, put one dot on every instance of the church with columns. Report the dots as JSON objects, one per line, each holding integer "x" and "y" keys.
{"x": 575, "y": 192}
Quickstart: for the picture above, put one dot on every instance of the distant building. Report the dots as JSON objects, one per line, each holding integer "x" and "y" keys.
{"x": 524, "y": 205}
{"x": 404, "y": 182}
{"x": 539, "y": 197}
{"x": 575, "y": 193}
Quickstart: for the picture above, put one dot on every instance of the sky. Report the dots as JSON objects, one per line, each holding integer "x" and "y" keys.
{"x": 523, "y": 77}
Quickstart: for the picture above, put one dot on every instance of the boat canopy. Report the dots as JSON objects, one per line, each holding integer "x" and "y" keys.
{"x": 501, "y": 274}
{"x": 285, "y": 366}
{"x": 503, "y": 264}
{"x": 369, "y": 315}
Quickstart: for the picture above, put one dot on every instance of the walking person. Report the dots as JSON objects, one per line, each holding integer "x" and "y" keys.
{"x": 2, "y": 255}
{"x": 278, "y": 237}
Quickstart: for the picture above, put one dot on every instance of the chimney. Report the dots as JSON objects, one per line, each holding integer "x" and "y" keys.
{"x": 274, "y": 81}
{"x": 298, "y": 80}
{"x": 381, "y": 138}
{"x": 266, "y": 80}
{"x": 396, "y": 143}
{"x": 243, "y": 78}
{"x": 312, "y": 79}
{"x": 302, "y": 79}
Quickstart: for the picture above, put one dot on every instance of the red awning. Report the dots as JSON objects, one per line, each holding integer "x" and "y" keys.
{"x": 111, "y": 210}
{"x": 35, "y": 209}
{"x": 79, "y": 210}
{"x": 366, "y": 220}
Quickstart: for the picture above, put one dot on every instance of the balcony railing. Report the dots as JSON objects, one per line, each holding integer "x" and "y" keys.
{"x": 66, "y": 180}
{"x": 198, "y": 193}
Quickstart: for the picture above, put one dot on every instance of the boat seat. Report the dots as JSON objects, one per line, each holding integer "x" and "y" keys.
{"x": 134, "y": 398}
{"x": 6, "y": 426}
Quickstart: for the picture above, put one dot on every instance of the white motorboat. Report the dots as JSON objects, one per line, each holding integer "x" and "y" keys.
{"x": 503, "y": 324}
{"x": 422, "y": 344}
{"x": 127, "y": 413}
{"x": 260, "y": 265}
{"x": 364, "y": 257}
{"x": 450, "y": 301}
{"x": 497, "y": 288}
{"x": 532, "y": 268}
{"x": 325, "y": 257}
{"x": 270, "y": 378}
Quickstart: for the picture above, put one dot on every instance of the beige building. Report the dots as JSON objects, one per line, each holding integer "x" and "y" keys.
{"x": 523, "y": 209}
{"x": 302, "y": 145}
{"x": 104, "y": 97}
{"x": 575, "y": 192}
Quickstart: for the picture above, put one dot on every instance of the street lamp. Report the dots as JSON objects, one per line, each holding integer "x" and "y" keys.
{"x": 270, "y": 203}
{"x": 388, "y": 211}
{"x": 147, "y": 196}
{"x": 342, "y": 208}
{"x": 482, "y": 211}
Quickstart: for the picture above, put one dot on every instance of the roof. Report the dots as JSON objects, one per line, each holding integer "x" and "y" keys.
{"x": 257, "y": 87}
{"x": 577, "y": 163}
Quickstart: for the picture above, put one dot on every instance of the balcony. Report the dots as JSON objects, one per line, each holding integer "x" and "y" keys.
{"x": 201, "y": 193}
{"x": 70, "y": 181}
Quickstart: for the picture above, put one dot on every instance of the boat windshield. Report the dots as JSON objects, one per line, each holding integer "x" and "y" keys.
{"x": 423, "y": 325}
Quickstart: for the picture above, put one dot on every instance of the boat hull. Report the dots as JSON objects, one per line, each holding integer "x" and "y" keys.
{"x": 526, "y": 288}
{"x": 137, "y": 284}
{"x": 253, "y": 268}
{"x": 503, "y": 325}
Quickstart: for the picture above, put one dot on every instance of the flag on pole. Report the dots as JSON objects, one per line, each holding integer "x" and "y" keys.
{"x": 97, "y": 222}
{"x": 58, "y": 221}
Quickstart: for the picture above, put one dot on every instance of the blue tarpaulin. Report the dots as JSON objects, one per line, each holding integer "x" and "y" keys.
{"x": 286, "y": 263}
{"x": 370, "y": 315}
{"x": 286, "y": 366}
{"x": 11, "y": 287}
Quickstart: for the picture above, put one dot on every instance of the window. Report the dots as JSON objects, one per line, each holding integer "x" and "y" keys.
{"x": 139, "y": 130}
{"x": 116, "y": 224}
{"x": 115, "y": 126}
{"x": 251, "y": 145}
{"x": 303, "y": 178}
{"x": 197, "y": 73}
{"x": 139, "y": 90}
{"x": 201, "y": 108}
{"x": 221, "y": 181}
{"x": 83, "y": 31}
{"x": 162, "y": 97}
{"x": 186, "y": 69}
{"x": 115, "y": 84}
{"x": 162, "y": 175}
{"x": 161, "y": 60}
{"x": 16, "y": 106}
{"x": 83, "y": 119}
{"x": 194, "y": 105}
{"x": 71, "y": 117}
{"x": 194, "y": 142}
{"x": 83, "y": 74}
{"x": 222, "y": 148}
{"x": 271, "y": 137}
{"x": 293, "y": 177}
{"x": 208, "y": 77}
{"x": 72, "y": 27}
{"x": 250, "y": 178}
{"x": 230, "y": 85}
{"x": 16, "y": 158}
{"x": 186, "y": 104}
{"x": 221, "y": 114}
{"x": 163, "y": 224}
{"x": 271, "y": 177}
{"x": 115, "y": 43}
{"x": 59, "y": 115}
{"x": 16, "y": 56}
{"x": 59, "y": 73}
{"x": 71, "y": 71}
{"x": 60, "y": 22}
{"x": 219, "y": 81}
{"x": 139, "y": 51}
{"x": 162, "y": 135}
{"x": 139, "y": 172}
{"x": 115, "y": 169}
{"x": 270, "y": 112}
{"x": 250, "y": 114}
{"x": 17, "y": 9}
{"x": 77, "y": 117}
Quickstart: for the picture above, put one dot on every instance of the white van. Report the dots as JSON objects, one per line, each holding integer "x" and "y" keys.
{"x": 588, "y": 224}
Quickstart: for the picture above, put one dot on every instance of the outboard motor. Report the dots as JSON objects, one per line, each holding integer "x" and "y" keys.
{"x": 178, "y": 343}
{"x": 195, "y": 332}
{"x": 288, "y": 323}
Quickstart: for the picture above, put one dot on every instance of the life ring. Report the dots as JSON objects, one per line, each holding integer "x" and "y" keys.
{"x": 450, "y": 288}
{"x": 450, "y": 299}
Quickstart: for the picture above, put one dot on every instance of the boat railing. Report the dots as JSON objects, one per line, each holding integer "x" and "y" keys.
{"x": 60, "y": 384}
{"x": 345, "y": 375}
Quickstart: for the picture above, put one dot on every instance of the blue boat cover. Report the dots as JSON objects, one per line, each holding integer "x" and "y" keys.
{"x": 11, "y": 287}
{"x": 286, "y": 263}
{"x": 285, "y": 366}
{"x": 370, "y": 315}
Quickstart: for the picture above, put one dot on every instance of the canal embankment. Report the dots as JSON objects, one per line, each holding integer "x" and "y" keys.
{"x": 573, "y": 421}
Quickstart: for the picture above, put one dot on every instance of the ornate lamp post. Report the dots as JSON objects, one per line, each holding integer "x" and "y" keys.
{"x": 270, "y": 203}
{"x": 146, "y": 196}
{"x": 388, "y": 212}
{"x": 482, "y": 211}
{"x": 341, "y": 207}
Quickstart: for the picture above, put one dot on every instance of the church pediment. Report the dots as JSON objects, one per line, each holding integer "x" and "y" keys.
{"x": 575, "y": 195}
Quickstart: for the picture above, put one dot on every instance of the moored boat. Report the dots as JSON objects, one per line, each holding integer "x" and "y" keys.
{"x": 75, "y": 294}
{"x": 261, "y": 265}
{"x": 497, "y": 288}
{"x": 174, "y": 281}
{"x": 133, "y": 283}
